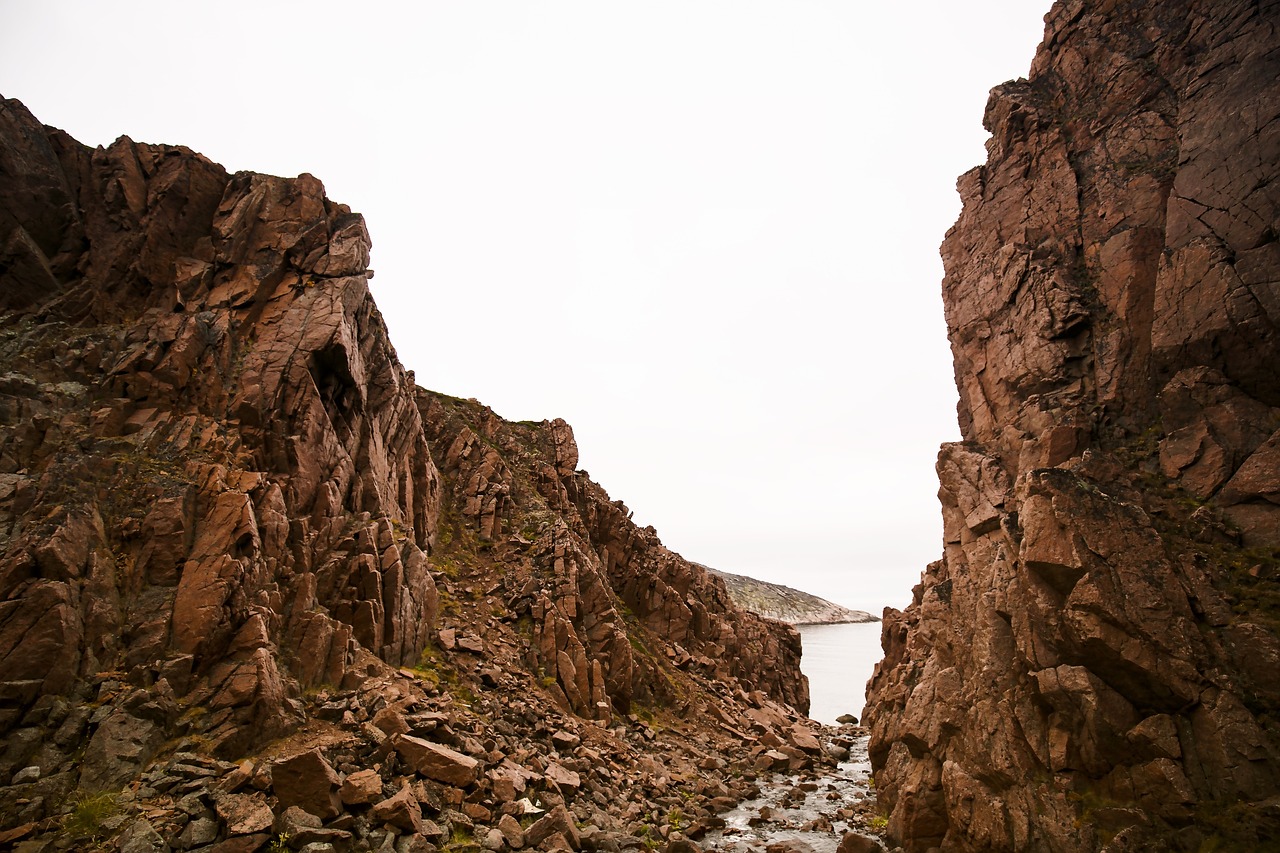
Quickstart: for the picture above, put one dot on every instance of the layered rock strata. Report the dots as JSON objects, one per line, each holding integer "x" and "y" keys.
{"x": 221, "y": 496}
{"x": 1093, "y": 663}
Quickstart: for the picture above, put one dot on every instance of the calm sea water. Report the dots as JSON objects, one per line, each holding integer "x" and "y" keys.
{"x": 838, "y": 660}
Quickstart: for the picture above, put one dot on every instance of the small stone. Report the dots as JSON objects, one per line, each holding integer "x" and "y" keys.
{"x": 141, "y": 837}
{"x": 558, "y": 820}
{"x": 242, "y": 844}
{"x": 471, "y": 643}
{"x": 199, "y": 832}
{"x": 679, "y": 844}
{"x": 361, "y": 787}
{"x": 295, "y": 819}
{"x": 391, "y": 722}
{"x": 308, "y": 781}
{"x": 563, "y": 777}
{"x": 237, "y": 777}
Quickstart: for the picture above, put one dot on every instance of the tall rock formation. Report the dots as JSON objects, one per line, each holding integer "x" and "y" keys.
{"x": 1094, "y": 663}
{"x": 221, "y": 495}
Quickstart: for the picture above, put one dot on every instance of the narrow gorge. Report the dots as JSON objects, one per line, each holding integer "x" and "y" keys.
{"x": 260, "y": 591}
{"x": 259, "y": 588}
{"x": 1093, "y": 664}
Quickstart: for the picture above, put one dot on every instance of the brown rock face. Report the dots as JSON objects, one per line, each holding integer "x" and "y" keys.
{"x": 211, "y": 464}
{"x": 219, "y": 496}
{"x": 1091, "y": 664}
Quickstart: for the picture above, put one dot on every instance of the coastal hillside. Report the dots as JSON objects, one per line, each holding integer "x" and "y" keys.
{"x": 775, "y": 601}
{"x": 1094, "y": 662}
{"x": 258, "y": 586}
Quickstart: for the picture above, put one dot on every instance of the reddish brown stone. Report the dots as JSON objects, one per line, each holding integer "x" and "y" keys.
{"x": 557, "y": 821}
{"x": 363, "y": 786}
{"x": 437, "y": 762}
{"x": 401, "y": 811}
{"x": 307, "y": 781}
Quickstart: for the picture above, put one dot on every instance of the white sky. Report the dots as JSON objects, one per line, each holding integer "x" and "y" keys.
{"x": 704, "y": 233}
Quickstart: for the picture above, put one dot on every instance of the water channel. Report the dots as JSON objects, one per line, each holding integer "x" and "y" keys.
{"x": 799, "y": 814}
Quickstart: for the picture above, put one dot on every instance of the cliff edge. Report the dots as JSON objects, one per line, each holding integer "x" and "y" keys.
{"x": 1093, "y": 664}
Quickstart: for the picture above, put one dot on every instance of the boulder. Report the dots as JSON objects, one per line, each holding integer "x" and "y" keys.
{"x": 308, "y": 781}
{"x": 244, "y": 814}
{"x": 401, "y": 810}
{"x": 855, "y": 842}
{"x": 437, "y": 762}
{"x": 361, "y": 787}
{"x": 557, "y": 821}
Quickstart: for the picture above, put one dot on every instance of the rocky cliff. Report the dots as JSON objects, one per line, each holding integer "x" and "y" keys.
{"x": 793, "y": 606}
{"x": 1093, "y": 664}
{"x": 229, "y": 516}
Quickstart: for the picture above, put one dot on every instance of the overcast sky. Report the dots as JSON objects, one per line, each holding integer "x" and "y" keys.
{"x": 704, "y": 233}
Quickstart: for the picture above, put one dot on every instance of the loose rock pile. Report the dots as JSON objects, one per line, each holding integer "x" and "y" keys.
{"x": 399, "y": 764}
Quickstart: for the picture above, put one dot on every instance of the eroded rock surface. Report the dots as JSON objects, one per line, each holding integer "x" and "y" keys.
{"x": 1092, "y": 663}
{"x": 226, "y": 510}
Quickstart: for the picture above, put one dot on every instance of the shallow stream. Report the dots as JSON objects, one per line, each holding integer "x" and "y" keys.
{"x": 800, "y": 813}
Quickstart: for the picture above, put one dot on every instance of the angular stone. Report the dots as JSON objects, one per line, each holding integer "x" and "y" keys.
{"x": 512, "y": 832}
{"x": 391, "y": 722}
{"x": 855, "y": 842}
{"x": 562, "y": 776}
{"x": 361, "y": 787}
{"x": 437, "y": 762}
{"x": 564, "y": 741}
{"x": 401, "y": 810}
{"x": 306, "y": 780}
{"x": 242, "y": 844}
{"x": 141, "y": 837}
{"x": 119, "y": 748}
{"x": 802, "y": 738}
{"x": 294, "y": 819}
{"x": 244, "y": 814}
{"x": 558, "y": 820}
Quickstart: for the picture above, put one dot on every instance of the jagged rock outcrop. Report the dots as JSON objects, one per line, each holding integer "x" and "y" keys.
{"x": 218, "y": 496}
{"x": 1092, "y": 664}
{"x": 214, "y": 469}
{"x": 793, "y": 606}
{"x": 586, "y": 577}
